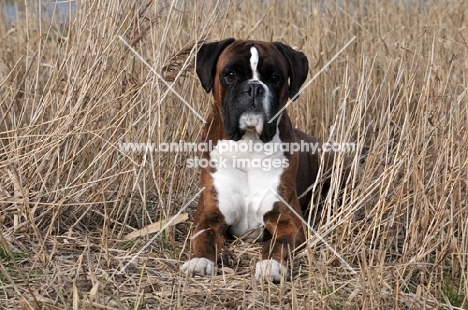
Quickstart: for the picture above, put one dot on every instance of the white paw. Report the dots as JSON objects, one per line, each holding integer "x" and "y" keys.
{"x": 270, "y": 270}
{"x": 200, "y": 265}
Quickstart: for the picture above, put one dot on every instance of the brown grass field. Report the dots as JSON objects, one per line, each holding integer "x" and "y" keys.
{"x": 71, "y": 90}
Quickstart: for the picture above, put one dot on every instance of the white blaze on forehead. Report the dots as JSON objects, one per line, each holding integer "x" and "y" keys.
{"x": 254, "y": 58}
{"x": 254, "y": 62}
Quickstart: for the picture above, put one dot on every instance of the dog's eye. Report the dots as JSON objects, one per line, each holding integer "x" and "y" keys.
{"x": 230, "y": 77}
{"x": 274, "y": 79}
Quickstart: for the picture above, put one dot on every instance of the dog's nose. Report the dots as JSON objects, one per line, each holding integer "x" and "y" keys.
{"x": 254, "y": 90}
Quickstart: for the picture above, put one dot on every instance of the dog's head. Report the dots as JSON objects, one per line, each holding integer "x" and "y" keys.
{"x": 251, "y": 80}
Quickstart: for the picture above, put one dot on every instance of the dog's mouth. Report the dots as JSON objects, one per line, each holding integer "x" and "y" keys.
{"x": 250, "y": 125}
{"x": 252, "y": 122}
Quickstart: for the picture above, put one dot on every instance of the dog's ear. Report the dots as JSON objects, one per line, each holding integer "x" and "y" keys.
{"x": 298, "y": 67}
{"x": 207, "y": 57}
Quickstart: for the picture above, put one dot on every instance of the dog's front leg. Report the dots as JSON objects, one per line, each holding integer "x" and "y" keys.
{"x": 286, "y": 233}
{"x": 208, "y": 237}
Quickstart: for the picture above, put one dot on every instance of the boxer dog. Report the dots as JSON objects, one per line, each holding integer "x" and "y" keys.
{"x": 251, "y": 81}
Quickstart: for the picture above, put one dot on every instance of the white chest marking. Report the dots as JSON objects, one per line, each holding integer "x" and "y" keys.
{"x": 243, "y": 187}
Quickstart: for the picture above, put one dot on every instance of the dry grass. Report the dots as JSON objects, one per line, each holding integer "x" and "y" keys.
{"x": 71, "y": 91}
